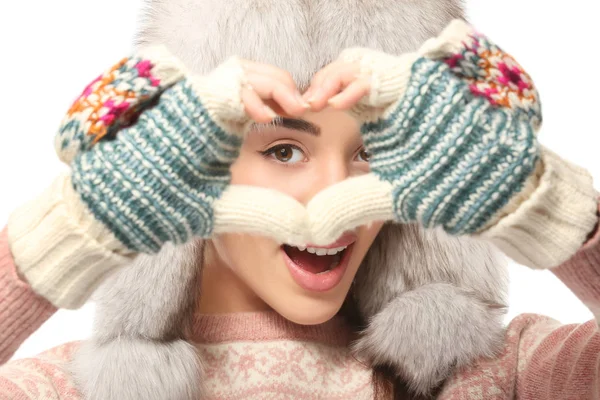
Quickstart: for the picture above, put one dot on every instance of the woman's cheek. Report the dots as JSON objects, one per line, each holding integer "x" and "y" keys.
{"x": 293, "y": 181}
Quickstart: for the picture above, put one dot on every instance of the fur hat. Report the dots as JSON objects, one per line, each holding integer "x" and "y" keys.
{"x": 413, "y": 283}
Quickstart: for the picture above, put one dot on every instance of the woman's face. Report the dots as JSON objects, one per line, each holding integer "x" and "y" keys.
{"x": 299, "y": 158}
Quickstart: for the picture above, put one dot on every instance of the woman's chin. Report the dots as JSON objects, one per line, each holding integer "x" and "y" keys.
{"x": 308, "y": 311}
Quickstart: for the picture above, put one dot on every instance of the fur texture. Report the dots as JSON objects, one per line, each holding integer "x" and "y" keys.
{"x": 420, "y": 283}
{"x": 143, "y": 313}
{"x": 413, "y": 284}
{"x": 299, "y": 36}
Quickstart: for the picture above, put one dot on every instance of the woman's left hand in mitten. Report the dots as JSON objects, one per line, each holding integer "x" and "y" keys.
{"x": 451, "y": 128}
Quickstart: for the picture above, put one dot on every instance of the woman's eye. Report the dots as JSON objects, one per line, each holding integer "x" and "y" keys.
{"x": 285, "y": 153}
{"x": 363, "y": 155}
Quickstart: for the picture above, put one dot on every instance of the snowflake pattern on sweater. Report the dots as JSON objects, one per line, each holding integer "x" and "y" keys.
{"x": 542, "y": 359}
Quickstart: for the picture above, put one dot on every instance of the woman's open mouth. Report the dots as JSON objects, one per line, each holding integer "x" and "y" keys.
{"x": 319, "y": 268}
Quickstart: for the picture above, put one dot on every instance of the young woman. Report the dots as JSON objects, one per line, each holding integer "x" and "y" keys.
{"x": 163, "y": 160}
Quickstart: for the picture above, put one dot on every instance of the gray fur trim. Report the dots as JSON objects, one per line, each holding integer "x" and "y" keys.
{"x": 420, "y": 283}
{"x": 138, "y": 348}
{"x": 299, "y": 36}
{"x": 132, "y": 368}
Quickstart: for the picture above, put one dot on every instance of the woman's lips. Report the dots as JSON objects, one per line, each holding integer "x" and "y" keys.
{"x": 323, "y": 281}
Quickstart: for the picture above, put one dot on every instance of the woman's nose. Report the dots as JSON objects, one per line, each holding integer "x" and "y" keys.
{"x": 327, "y": 173}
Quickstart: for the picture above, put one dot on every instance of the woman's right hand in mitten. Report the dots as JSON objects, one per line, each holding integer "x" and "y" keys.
{"x": 149, "y": 146}
{"x": 158, "y": 179}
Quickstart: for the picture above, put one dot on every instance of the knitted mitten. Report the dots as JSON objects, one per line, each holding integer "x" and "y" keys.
{"x": 150, "y": 148}
{"x": 157, "y": 180}
{"x": 452, "y": 133}
{"x": 452, "y": 130}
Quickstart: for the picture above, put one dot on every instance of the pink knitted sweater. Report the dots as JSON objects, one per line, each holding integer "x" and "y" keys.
{"x": 261, "y": 355}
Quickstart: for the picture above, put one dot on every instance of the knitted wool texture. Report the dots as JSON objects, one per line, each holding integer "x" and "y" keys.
{"x": 157, "y": 179}
{"x": 114, "y": 99}
{"x": 453, "y": 142}
{"x": 460, "y": 143}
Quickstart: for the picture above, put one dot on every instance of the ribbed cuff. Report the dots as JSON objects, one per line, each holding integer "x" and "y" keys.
{"x": 551, "y": 226}
{"x": 22, "y": 311}
{"x": 60, "y": 249}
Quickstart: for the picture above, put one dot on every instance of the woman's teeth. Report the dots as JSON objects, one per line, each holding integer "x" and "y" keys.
{"x": 322, "y": 252}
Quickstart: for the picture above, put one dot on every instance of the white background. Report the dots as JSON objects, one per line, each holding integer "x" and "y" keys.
{"x": 49, "y": 50}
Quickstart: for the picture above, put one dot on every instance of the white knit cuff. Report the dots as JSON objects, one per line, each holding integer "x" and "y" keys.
{"x": 388, "y": 76}
{"x": 63, "y": 252}
{"x": 333, "y": 211}
{"x": 449, "y": 42}
{"x": 554, "y": 222}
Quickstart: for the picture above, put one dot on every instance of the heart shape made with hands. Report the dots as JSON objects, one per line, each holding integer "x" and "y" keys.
{"x": 465, "y": 89}
{"x": 451, "y": 129}
{"x": 326, "y": 217}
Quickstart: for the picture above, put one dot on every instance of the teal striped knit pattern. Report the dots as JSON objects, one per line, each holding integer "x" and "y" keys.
{"x": 452, "y": 156}
{"x": 157, "y": 180}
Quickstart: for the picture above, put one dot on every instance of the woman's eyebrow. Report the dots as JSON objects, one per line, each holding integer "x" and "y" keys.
{"x": 299, "y": 125}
